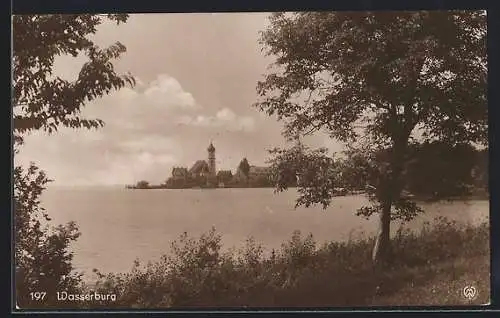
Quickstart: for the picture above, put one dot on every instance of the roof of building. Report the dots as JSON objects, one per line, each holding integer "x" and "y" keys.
{"x": 179, "y": 171}
{"x": 199, "y": 166}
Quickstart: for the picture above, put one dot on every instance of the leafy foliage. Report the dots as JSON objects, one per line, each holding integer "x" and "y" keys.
{"x": 43, "y": 101}
{"x": 404, "y": 210}
{"x": 390, "y": 70}
{"x": 312, "y": 171}
{"x": 43, "y": 260}
{"x": 438, "y": 170}
{"x": 432, "y": 170}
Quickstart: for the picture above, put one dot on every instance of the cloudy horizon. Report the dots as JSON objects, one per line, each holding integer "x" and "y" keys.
{"x": 196, "y": 77}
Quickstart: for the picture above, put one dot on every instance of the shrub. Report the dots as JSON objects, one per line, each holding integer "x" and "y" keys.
{"x": 43, "y": 262}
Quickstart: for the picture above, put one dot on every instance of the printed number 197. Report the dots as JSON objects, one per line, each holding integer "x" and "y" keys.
{"x": 37, "y": 295}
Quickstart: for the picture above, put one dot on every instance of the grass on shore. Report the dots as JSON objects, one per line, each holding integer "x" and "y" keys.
{"x": 429, "y": 268}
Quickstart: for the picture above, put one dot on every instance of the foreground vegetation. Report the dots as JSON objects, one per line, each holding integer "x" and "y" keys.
{"x": 428, "y": 268}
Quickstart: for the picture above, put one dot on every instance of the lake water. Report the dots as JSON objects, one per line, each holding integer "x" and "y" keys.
{"x": 120, "y": 225}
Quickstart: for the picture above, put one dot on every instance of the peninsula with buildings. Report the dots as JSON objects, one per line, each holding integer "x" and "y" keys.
{"x": 204, "y": 174}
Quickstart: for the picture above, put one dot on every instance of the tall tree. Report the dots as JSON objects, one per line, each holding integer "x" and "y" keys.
{"x": 244, "y": 167}
{"x": 43, "y": 101}
{"x": 381, "y": 76}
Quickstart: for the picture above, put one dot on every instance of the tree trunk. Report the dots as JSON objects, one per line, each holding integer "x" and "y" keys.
{"x": 391, "y": 185}
{"x": 381, "y": 250}
{"x": 389, "y": 190}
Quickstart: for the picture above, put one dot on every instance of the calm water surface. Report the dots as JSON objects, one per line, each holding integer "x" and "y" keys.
{"x": 120, "y": 225}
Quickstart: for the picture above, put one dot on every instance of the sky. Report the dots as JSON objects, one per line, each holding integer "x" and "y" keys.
{"x": 196, "y": 77}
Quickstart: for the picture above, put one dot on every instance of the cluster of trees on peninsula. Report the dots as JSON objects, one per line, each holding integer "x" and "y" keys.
{"x": 431, "y": 170}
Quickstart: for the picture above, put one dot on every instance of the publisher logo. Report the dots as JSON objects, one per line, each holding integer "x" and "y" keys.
{"x": 469, "y": 292}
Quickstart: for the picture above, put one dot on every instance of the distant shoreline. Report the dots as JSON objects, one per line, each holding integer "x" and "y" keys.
{"x": 197, "y": 188}
{"x": 473, "y": 196}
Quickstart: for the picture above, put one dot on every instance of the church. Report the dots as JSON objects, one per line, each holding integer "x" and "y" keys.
{"x": 201, "y": 168}
{"x": 203, "y": 174}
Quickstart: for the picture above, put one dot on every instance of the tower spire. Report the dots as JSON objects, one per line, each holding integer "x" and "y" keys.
{"x": 211, "y": 159}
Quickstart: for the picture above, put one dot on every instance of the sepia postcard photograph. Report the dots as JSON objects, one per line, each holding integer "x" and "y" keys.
{"x": 330, "y": 159}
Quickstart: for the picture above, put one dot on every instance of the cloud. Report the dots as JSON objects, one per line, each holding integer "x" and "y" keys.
{"x": 224, "y": 118}
{"x": 168, "y": 87}
{"x": 146, "y": 132}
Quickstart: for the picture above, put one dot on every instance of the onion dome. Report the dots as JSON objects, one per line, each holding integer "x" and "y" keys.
{"x": 211, "y": 148}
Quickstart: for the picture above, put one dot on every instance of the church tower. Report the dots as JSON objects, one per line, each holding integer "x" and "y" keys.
{"x": 211, "y": 160}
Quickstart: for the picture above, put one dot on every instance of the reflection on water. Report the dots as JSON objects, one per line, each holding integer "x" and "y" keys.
{"x": 120, "y": 225}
